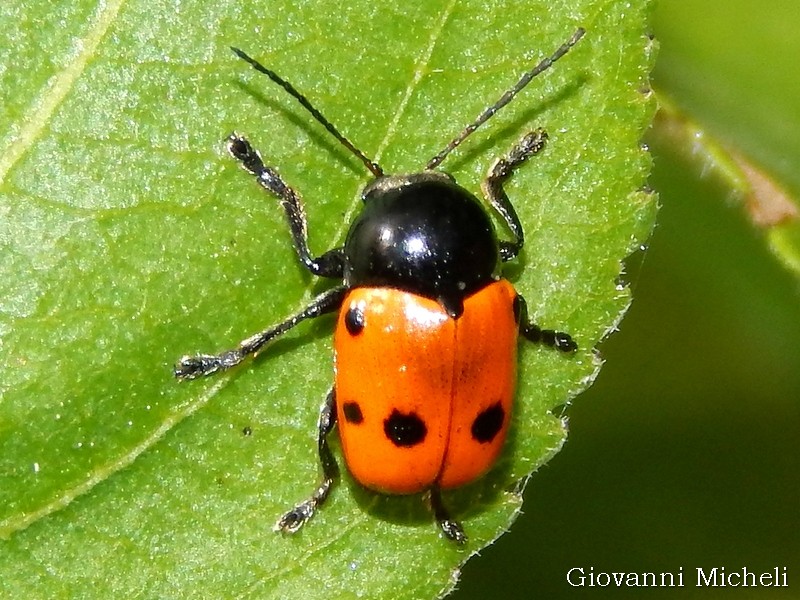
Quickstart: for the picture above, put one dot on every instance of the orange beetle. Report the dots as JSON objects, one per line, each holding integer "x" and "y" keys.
{"x": 426, "y": 335}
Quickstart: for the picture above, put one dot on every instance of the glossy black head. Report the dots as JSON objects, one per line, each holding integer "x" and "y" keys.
{"x": 425, "y": 234}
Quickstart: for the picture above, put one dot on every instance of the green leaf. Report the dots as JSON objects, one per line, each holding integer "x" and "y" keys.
{"x": 730, "y": 108}
{"x": 768, "y": 204}
{"x": 129, "y": 238}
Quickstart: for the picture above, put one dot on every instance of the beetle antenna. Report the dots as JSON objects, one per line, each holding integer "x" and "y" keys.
{"x": 506, "y": 98}
{"x": 373, "y": 167}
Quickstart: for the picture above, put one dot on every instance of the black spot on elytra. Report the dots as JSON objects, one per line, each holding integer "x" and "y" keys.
{"x": 404, "y": 430}
{"x": 354, "y": 320}
{"x": 352, "y": 413}
{"x": 488, "y": 424}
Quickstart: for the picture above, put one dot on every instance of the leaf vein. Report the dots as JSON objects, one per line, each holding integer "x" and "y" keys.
{"x": 56, "y": 90}
{"x": 419, "y": 71}
{"x": 101, "y": 473}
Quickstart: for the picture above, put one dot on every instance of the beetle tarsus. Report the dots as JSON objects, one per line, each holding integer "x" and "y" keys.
{"x": 451, "y": 529}
{"x": 558, "y": 340}
{"x": 192, "y": 367}
{"x": 294, "y": 519}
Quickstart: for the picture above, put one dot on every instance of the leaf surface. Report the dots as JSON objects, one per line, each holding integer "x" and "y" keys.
{"x": 129, "y": 238}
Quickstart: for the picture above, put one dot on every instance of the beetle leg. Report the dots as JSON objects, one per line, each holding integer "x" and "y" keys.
{"x": 297, "y": 517}
{"x": 191, "y": 367}
{"x": 452, "y": 530}
{"x": 492, "y": 188}
{"x": 330, "y": 264}
{"x": 531, "y": 331}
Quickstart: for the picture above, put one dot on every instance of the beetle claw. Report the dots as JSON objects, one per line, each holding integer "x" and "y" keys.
{"x": 192, "y": 367}
{"x": 292, "y": 521}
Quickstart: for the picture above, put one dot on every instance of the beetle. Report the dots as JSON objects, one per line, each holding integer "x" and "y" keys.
{"x": 426, "y": 335}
